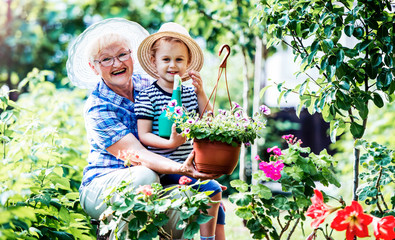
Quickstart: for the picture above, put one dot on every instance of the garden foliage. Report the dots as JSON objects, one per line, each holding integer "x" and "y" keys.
{"x": 42, "y": 160}
{"x": 145, "y": 210}
{"x": 349, "y": 45}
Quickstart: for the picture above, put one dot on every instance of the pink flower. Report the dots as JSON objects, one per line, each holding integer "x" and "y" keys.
{"x": 129, "y": 157}
{"x": 189, "y": 121}
{"x": 272, "y": 169}
{"x": 247, "y": 144}
{"x": 173, "y": 103}
{"x": 384, "y": 228}
{"x": 286, "y": 137}
{"x": 257, "y": 157}
{"x": 264, "y": 109}
{"x": 318, "y": 210}
{"x": 223, "y": 112}
{"x": 187, "y": 130}
{"x": 184, "y": 180}
{"x": 146, "y": 190}
{"x": 275, "y": 150}
{"x": 178, "y": 111}
{"x": 353, "y": 220}
{"x": 236, "y": 105}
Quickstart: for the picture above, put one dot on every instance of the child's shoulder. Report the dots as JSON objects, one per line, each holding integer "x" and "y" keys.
{"x": 151, "y": 88}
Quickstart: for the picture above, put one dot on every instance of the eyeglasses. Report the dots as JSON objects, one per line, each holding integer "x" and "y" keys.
{"x": 109, "y": 61}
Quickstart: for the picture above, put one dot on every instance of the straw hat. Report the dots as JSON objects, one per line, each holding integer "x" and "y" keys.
{"x": 170, "y": 29}
{"x": 78, "y": 69}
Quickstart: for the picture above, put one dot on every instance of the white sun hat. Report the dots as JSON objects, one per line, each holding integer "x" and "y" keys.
{"x": 78, "y": 70}
{"x": 170, "y": 29}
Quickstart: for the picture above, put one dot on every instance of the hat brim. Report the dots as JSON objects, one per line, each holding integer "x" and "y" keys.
{"x": 144, "y": 53}
{"x": 78, "y": 70}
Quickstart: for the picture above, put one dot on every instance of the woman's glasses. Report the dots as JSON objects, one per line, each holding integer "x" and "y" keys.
{"x": 109, "y": 61}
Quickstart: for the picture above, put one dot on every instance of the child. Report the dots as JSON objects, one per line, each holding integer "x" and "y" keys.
{"x": 169, "y": 52}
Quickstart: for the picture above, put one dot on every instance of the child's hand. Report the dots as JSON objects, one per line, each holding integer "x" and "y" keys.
{"x": 176, "y": 139}
{"x": 197, "y": 81}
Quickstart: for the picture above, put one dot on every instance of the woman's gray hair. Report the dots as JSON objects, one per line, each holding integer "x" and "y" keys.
{"x": 103, "y": 42}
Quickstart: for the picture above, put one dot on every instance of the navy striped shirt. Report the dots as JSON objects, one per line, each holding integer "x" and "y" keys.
{"x": 149, "y": 105}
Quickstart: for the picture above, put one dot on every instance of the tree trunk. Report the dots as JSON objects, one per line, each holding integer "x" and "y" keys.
{"x": 255, "y": 101}
{"x": 242, "y": 161}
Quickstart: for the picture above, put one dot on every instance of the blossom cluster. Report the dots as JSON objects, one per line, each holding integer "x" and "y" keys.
{"x": 272, "y": 169}
{"x": 230, "y": 126}
{"x": 130, "y": 157}
{"x": 291, "y": 139}
{"x": 351, "y": 218}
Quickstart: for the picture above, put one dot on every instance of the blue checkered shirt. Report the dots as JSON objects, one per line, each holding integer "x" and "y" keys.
{"x": 108, "y": 118}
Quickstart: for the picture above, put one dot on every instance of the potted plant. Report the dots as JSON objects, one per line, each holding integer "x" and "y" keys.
{"x": 217, "y": 138}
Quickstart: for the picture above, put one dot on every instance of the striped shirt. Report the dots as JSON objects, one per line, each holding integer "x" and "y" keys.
{"x": 149, "y": 105}
{"x": 108, "y": 118}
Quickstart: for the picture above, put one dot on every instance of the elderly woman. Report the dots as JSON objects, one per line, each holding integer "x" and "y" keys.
{"x": 109, "y": 112}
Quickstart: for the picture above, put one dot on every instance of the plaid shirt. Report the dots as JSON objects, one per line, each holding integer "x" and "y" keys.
{"x": 108, "y": 118}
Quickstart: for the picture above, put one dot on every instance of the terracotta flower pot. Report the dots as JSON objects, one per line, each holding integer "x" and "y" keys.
{"x": 215, "y": 157}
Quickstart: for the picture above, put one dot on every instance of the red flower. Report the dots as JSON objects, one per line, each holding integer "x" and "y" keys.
{"x": 184, "y": 180}
{"x": 384, "y": 227}
{"x": 318, "y": 210}
{"x": 353, "y": 220}
{"x": 146, "y": 190}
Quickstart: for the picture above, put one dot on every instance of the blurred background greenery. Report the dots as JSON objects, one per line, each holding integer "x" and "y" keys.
{"x": 43, "y": 138}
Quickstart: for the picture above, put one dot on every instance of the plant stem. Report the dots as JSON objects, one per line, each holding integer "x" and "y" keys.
{"x": 293, "y": 229}
{"x": 356, "y": 172}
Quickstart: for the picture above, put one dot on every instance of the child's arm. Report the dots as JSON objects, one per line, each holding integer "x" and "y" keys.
{"x": 201, "y": 95}
{"x": 144, "y": 128}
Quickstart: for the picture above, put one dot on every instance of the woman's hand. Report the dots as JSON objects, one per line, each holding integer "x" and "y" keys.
{"x": 176, "y": 139}
{"x": 188, "y": 169}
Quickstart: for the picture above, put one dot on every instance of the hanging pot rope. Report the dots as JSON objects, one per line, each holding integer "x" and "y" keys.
{"x": 222, "y": 69}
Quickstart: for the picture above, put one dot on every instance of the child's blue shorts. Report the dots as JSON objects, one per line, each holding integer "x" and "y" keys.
{"x": 212, "y": 185}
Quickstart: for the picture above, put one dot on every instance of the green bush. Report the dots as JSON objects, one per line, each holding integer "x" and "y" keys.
{"x": 42, "y": 162}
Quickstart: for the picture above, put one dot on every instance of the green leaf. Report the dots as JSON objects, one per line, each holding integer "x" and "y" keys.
{"x": 63, "y": 235}
{"x": 348, "y": 30}
{"x": 295, "y": 172}
{"x": 376, "y": 60}
{"x": 240, "y": 199}
{"x": 161, "y": 220}
{"x": 384, "y": 79}
{"x": 382, "y": 159}
{"x": 313, "y": 28}
{"x": 329, "y": 44}
{"x": 186, "y": 213}
{"x": 263, "y": 90}
{"x": 358, "y": 32}
{"x": 281, "y": 202}
{"x": 357, "y": 130}
{"x": 262, "y": 191}
{"x": 244, "y": 213}
{"x": 340, "y": 57}
{"x": 191, "y": 230}
{"x": 378, "y": 101}
{"x": 330, "y": 177}
{"x": 344, "y": 85}
{"x": 240, "y": 185}
{"x": 328, "y": 31}
{"x": 203, "y": 218}
{"x": 362, "y": 46}
{"x": 362, "y": 107}
{"x": 283, "y": 21}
